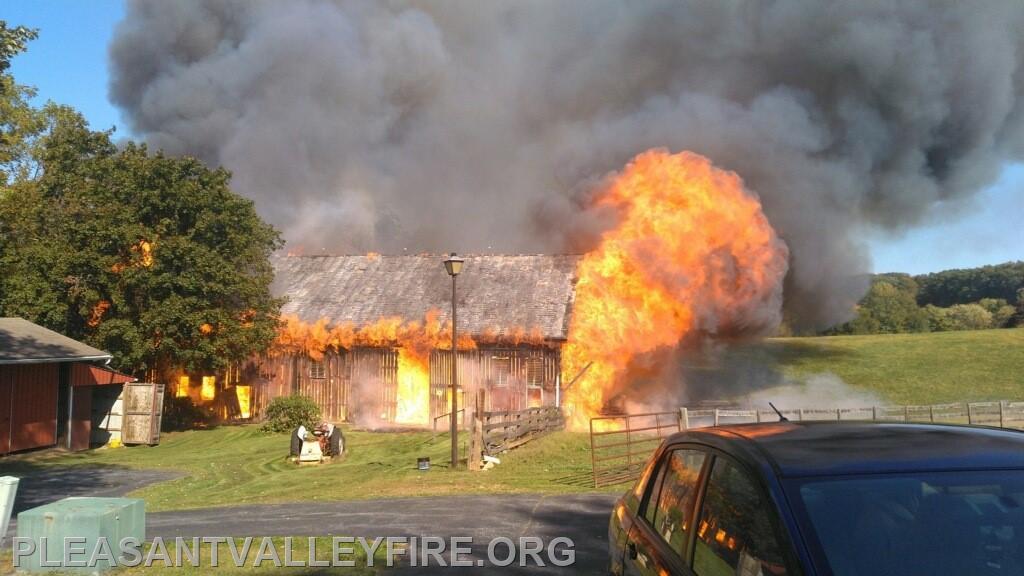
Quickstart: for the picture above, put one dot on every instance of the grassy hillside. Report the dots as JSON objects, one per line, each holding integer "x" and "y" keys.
{"x": 912, "y": 368}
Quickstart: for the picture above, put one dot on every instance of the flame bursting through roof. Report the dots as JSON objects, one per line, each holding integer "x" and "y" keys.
{"x": 691, "y": 255}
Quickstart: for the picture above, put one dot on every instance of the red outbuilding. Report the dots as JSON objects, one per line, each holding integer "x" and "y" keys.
{"x": 48, "y": 386}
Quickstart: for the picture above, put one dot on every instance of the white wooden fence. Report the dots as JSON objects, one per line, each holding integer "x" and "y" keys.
{"x": 1004, "y": 414}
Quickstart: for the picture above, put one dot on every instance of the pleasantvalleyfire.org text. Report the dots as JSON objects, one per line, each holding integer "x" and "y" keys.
{"x": 214, "y": 551}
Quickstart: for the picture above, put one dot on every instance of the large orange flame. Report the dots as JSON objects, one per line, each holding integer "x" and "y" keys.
{"x": 692, "y": 253}
{"x": 96, "y": 316}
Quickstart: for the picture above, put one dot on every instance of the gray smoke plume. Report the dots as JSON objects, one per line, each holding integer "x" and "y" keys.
{"x": 482, "y": 126}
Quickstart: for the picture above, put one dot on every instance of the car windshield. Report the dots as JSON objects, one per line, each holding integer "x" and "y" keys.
{"x": 928, "y": 523}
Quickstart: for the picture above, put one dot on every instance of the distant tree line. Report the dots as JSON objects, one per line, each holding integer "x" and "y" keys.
{"x": 970, "y": 299}
{"x": 950, "y": 287}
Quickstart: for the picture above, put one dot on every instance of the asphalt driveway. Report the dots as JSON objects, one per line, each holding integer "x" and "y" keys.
{"x": 581, "y": 517}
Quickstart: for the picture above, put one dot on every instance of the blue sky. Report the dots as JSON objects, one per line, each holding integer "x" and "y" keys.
{"x": 68, "y": 64}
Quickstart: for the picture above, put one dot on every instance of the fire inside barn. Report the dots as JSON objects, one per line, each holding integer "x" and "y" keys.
{"x": 368, "y": 337}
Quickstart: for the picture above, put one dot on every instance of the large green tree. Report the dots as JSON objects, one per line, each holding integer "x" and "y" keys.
{"x": 889, "y": 307}
{"x": 151, "y": 257}
{"x": 20, "y": 123}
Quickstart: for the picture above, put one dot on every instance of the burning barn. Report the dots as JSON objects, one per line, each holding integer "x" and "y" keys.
{"x": 369, "y": 337}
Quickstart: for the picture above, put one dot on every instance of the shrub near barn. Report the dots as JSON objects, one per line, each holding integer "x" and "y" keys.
{"x": 286, "y": 413}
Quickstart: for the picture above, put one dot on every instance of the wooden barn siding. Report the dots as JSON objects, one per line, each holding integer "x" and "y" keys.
{"x": 283, "y": 375}
{"x": 329, "y": 392}
{"x": 480, "y": 369}
{"x": 30, "y": 396}
{"x": 270, "y": 377}
{"x": 340, "y": 399}
{"x": 375, "y": 373}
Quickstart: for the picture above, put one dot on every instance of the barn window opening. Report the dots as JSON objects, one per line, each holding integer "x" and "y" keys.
{"x": 181, "y": 391}
{"x": 209, "y": 389}
{"x": 244, "y": 396}
{"x": 535, "y": 371}
{"x": 534, "y": 381}
{"x": 502, "y": 370}
{"x": 317, "y": 370}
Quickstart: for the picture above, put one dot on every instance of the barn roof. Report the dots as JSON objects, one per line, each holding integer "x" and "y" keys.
{"x": 22, "y": 342}
{"x": 496, "y": 294}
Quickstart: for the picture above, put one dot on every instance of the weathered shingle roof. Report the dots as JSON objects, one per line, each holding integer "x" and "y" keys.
{"x": 22, "y": 341}
{"x": 496, "y": 294}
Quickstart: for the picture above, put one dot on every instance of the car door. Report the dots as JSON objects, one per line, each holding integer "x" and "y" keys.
{"x": 658, "y": 540}
{"x": 738, "y": 529}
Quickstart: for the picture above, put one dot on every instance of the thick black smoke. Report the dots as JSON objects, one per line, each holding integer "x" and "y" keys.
{"x": 480, "y": 126}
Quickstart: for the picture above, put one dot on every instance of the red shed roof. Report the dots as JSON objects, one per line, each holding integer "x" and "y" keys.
{"x": 89, "y": 375}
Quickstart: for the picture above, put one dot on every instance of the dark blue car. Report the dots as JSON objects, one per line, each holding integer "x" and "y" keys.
{"x": 843, "y": 499}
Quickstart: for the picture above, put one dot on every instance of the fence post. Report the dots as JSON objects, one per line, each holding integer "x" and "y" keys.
{"x": 839, "y": 414}
{"x": 629, "y": 446}
{"x": 970, "y": 415}
{"x": 801, "y": 414}
{"x": 906, "y": 413}
{"x": 476, "y": 442}
{"x": 593, "y": 458}
{"x": 874, "y": 412}
{"x": 931, "y": 413}
{"x": 684, "y": 418}
{"x": 757, "y": 413}
{"x": 716, "y": 416}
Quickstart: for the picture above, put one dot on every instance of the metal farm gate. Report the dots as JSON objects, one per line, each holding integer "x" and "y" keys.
{"x": 621, "y": 445}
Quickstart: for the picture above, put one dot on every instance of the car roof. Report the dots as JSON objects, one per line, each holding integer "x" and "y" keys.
{"x": 796, "y": 449}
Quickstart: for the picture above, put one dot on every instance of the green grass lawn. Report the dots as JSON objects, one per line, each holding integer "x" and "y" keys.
{"x": 236, "y": 465}
{"x": 927, "y": 368}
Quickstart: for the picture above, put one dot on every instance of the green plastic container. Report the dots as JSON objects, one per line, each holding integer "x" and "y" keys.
{"x": 89, "y": 518}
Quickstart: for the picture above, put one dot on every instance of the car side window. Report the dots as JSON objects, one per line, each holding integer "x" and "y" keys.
{"x": 672, "y": 518}
{"x": 656, "y": 482}
{"x": 735, "y": 535}
{"x": 647, "y": 479}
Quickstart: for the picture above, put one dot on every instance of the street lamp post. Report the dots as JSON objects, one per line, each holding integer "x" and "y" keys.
{"x": 454, "y": 265}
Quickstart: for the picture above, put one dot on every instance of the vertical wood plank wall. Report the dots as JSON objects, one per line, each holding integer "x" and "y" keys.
{"x": 515, "y": 378}
{"x": 329, "y": 392}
